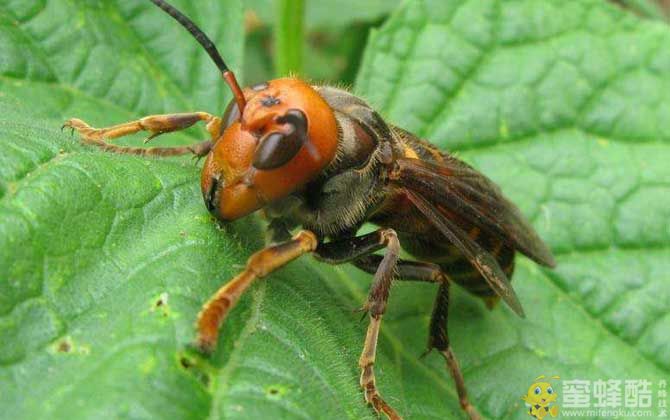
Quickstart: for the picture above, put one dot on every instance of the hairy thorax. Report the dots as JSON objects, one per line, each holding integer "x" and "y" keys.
{"x": 353, "y": 185}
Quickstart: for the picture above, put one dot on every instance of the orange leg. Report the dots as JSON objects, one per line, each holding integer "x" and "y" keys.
{"x": 366, "y": 362}
{"x": 258, "y": 266}
{"x": 155, "y": 125}
{"x": 384, "y": 268}
{"x": 376, "y": 305}
{"x": 438, "y": 337}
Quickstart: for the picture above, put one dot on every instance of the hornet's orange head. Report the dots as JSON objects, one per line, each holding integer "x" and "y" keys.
{"x": 277, "y": 136}
{"x": 284, "y": 138}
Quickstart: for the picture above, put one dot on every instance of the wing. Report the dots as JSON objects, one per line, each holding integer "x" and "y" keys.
{"x": 487, "y": 266}
{"x": 454, "y": 187}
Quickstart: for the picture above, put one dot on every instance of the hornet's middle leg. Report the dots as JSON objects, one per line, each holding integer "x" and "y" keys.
{"x": 350, "y": 249}
{"x": 438, "y": 337}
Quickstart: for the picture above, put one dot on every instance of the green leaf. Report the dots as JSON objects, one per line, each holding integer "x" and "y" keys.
{"x": 105, "y": 259}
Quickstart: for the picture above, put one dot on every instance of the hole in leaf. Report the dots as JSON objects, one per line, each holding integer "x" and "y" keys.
{"x": 193, "y": 367}
{"x": 160, "y": 304}
{"x": 65, "y": 346}
{"x": 275, "y": 391}
{"x": 185, "y": 362}
{"x": 162, "y": 300}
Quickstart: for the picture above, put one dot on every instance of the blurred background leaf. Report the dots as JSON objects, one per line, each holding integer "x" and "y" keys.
{"x": 336, "y": 32}
{"x": 329, "y": 14}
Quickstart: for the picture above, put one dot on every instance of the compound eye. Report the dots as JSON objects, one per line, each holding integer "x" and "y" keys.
{"x": 277, "y": 148}
{"x": 231, "y": 114}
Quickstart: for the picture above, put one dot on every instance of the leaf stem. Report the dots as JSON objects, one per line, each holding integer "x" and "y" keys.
{"x": 289, "y": 37}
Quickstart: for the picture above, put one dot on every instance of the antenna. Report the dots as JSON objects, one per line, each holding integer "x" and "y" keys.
{"x": 209, "y": 46}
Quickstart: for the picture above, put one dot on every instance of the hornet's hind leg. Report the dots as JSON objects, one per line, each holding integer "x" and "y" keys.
{"x": 155, "y": 125}
{"x": 438, "y": 337}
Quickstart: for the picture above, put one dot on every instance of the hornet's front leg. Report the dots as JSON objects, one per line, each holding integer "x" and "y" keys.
{"x": 155, "y": 125}
{"x": 258, "y": 266}
{"x": 350, "y": 249}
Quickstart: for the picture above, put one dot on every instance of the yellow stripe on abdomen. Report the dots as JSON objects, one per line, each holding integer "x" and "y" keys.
{"x": 410, "y": 153}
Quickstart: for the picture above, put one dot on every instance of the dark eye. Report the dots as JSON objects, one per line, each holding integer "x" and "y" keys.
{"x": 537, "y": 390}
{"x": 231, "y": 114}
{"x": 275, "y": 149}
{"x": 550, "y": 391}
